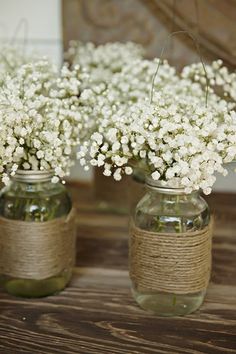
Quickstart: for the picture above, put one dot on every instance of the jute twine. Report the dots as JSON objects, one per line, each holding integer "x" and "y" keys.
{"x": 177, "y": 263}
{"x": 37, "y": 250}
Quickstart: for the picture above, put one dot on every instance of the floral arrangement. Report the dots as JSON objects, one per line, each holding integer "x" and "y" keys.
{"x": 220, "y": 79}
{"x": 105, "y": 106}
{"x": 11, "y": 58}
{"x": 39, "y": 119}
{"x": 175, "y": 136}
{"x": 132, "y": 84}
{"x": 102, "y": 61}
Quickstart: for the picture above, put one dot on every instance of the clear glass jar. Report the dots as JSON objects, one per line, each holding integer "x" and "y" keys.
{"x": 169, "y": 210}
{"x": 32, "y": 197}
{"x": 136, "y": 187}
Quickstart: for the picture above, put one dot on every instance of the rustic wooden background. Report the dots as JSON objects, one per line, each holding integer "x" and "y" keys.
{"x": 150, "y": 21}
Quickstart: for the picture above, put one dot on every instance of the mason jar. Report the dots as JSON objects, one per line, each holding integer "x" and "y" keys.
{"x": 170, "y": 250}
{"x": 37, "y": 235}
{"x": 136, "y": 187}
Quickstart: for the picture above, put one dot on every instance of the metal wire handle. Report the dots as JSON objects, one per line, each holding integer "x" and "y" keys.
{"x": 22, "y": 23}
{"x": 173, "y": 20}
{"x": 161, "y": 59}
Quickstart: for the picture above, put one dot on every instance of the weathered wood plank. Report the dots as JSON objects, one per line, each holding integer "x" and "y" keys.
{"x": 98, "y": 316}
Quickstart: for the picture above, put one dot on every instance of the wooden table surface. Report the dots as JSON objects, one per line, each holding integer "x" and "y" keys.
{"x": 96, "y": 313}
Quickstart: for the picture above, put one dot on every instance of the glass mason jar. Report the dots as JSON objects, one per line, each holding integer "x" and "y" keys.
{"x": 136, "y": 187}
{"x": 162, "y": 215}
{"x": 35, "y": 205}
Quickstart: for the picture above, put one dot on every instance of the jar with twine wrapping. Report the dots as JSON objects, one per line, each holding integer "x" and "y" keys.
{"x": 37, "y": 235}
{"x": 170, "y": 250}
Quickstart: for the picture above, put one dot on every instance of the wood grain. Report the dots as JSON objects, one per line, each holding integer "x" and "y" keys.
{"x": 96, "y": 313}
{"x": 212, "y": 21}
{"x": 149, "y": 22}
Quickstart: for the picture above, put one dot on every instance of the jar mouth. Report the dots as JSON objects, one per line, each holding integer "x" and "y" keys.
{"x": 163, "y": 187}
{"x": 31, "y": 176}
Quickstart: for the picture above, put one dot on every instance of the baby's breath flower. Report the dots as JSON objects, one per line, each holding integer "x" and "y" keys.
{"x": 103, "y": 61}
{"x": 219, "y": 77}
{"x": 176, "y": 138}
{"x": 12, "y": 58}
{"x": 39, "y": 118}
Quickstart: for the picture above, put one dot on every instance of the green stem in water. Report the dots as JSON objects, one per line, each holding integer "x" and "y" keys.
{"x": 174, "y": 300}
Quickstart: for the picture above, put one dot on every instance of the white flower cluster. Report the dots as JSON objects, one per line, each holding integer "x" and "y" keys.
{"x": 176, "y": 137}
{"x": 132, "y": 84}
{"x": 218, "y": 75}
{"x": 11, "y": 58}
{"x": 102, "y": 61}
{"x": 39, "y": 119}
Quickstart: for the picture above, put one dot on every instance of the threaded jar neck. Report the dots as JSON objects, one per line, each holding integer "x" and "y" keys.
{"x": 163, "y": 187}
{"x": 30, "y": 176}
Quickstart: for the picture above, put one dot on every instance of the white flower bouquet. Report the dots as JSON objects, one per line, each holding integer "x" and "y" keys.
{"x": 176, "y": 137}
{"x": 220, "y": 78}
{"x": 102, "y": 61}
{"x": 12, "y": 57}
{"x": 133, "y": 84}
{"x": 39, "y": 119}
{"x": 101, "y": 64}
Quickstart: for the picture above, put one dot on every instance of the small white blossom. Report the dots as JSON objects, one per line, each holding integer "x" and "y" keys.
{"x": 55, "y": 179}
{"x": 117, "y": 174}
{"x": 40, "y": 154}
{"x": 107, "y": 172}
{"x": 156, "y": 175}
{"x": 5, "y": 179}
{"x": 128, "y": 170}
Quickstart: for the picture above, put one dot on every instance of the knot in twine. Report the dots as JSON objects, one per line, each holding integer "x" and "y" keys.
{"x": 37, "y": 250}
{"x": 177, "y": 263}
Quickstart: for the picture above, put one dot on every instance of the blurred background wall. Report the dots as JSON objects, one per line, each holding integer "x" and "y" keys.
{"x": 44, "y": 22}
{"x": 150, "y": 21}
{"x": 53, "y": 23}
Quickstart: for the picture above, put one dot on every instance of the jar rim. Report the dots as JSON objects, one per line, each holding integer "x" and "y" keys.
{"x": 164, "y": 187}
{"x": 33, "y": 176}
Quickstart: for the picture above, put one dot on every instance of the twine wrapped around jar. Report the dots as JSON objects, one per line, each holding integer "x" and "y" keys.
{"x": 37, "y": 250}
{"x": 178, "y": 263}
